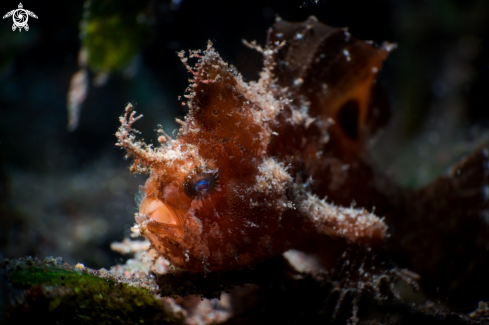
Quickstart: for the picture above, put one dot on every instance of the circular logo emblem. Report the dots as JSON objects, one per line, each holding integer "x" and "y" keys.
{"x": 20, "y": 17}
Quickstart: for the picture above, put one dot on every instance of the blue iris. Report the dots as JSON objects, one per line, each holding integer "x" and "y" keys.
{"x": 202, "y": 185}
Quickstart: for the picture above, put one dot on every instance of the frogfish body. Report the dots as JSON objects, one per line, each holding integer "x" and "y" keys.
{"x": 259, "y": 168}
{"x": 244, "y": 179}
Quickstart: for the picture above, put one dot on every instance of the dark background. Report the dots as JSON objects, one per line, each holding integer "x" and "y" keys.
{"x": 70, "y": 194}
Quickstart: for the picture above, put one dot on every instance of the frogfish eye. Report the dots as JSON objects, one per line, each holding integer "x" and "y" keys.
{"x": 200, "y": 184}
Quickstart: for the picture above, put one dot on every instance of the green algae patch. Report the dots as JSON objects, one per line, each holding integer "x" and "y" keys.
{"x": 51, "y": 276}
{"x": 113, "y": 32}
{"x": 59, "y": 293}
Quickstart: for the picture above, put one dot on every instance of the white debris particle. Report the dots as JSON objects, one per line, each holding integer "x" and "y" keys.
{"x": 347, "y": 55}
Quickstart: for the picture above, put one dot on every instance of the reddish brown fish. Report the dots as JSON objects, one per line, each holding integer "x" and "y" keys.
{"x": 258, "y": 168}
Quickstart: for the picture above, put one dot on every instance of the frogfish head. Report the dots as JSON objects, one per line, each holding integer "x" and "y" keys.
{"x": 213, "y": 200}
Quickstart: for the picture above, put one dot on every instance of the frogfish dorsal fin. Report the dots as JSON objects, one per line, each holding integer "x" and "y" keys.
{"x": 332, "y": 71}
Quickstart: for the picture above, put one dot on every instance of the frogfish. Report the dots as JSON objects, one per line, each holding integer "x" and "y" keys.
{"x": 258, "y": 168}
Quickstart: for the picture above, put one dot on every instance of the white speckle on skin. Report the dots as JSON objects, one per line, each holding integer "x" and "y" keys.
{"x": 347, "y": 55}
{"x": 309, "y": 121}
